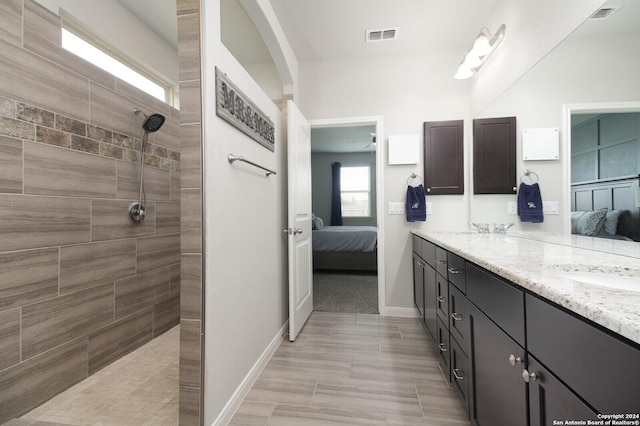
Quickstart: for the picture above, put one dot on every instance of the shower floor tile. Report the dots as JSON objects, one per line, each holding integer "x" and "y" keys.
{"x": 140, "y": 388}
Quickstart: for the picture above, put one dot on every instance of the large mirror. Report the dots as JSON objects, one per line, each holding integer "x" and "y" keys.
{"x": 598, "y": 64}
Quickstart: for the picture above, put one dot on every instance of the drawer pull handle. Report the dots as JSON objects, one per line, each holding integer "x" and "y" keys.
{"x": 457, "y": 317}
{"x": 419, "y": 263}
{"x": 443, "y": 347}
{"x": 457, "y": 375}
{"x": 441, "y": 262}
{"x": 514, "y": 360}
{"x": 441, "y": 299}
{"x": 454, "y": 271}
{"x": 526, "y": 376}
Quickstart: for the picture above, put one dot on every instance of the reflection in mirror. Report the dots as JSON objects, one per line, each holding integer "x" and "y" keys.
{"x": 597, "y": 64}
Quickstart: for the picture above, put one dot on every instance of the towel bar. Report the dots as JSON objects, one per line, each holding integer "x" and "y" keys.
{"x": 232, "y": 158}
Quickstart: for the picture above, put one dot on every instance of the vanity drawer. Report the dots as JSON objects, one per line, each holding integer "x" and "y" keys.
{"x": 444, "y": 349}
{"x": 601, "y": 368}
{"x": 460, "y": 374}
{"x": 442, "y": 298}
{"x": 456, "y": 271}
{"x": 416, "y": 244}
{"x": 441, "y": 261}
{"x": 498, "y": 299}
{"x": 459, "y": 319}
{"x": 429, "y": 252}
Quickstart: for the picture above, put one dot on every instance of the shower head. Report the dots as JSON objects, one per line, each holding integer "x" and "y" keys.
{"x": 153, "y": 123}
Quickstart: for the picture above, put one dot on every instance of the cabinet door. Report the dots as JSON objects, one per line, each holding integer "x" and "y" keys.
{"x": 418, "y": 284}
{"x": 430, "y": 299}
{"x": 494, "y": 155}
{"x": 499, "y": 394}
{"x": 460, "y": 373}
{"x": 459, "y": 320}
{"x": 550, "y": 400}
{"x": 444, "y": 157}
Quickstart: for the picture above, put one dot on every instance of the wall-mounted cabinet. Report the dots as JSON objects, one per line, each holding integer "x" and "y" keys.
{"x": 494, "y": 155}
{"x": 444, "y": 157}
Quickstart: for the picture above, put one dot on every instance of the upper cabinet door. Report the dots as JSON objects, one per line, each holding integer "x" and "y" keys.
{"x": 494, "y": 155}
{"x": 444, "y": 157}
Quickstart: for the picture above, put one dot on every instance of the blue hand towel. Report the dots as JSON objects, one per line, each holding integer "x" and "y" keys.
{"x": 416, "y": 207}
{"x": 530, "y": 203}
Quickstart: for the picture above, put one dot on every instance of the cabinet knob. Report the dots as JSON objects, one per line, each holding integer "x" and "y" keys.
{"x": 457, "y": 317}
{"x": 442, "y": 347}
{"x": 428, "y": 189}
{"x": 514, "y": 360}
{"x": 515, "y": 189}
{"x": 457, "y": 375}
{"x": 526, "y": 376}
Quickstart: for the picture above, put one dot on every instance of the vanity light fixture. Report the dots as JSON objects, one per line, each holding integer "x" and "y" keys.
{"x": 484, "y": 45}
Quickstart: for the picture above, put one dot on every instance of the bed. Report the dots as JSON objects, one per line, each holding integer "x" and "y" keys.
{"x": 606, "y": 209}
{"x": 345, "y": 248}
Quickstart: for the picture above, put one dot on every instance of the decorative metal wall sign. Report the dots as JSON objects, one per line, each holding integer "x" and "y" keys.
{"x": 236, "y": 108}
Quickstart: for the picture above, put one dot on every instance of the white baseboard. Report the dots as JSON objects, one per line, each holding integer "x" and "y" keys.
{"x": 241, "y": 392}
{"x": 394, "y": 311}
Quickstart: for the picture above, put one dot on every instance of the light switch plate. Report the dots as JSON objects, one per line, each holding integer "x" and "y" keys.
{"x": 550, "y": 207}
{"x": 428, "y": 205}
{"x": 396, "y": 208}
{"x": 512, "y": 207}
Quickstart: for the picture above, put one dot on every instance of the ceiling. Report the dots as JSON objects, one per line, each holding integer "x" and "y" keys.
{"x": 335, "y": 29}
{"x": 343, "y": 139}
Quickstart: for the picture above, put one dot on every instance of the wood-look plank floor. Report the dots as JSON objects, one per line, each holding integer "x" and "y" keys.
{"x": 353, "y": 369}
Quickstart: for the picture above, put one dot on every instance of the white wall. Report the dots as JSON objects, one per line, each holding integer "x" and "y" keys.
{"x": 246, "y": 295}
{"x": 406, "y": 91}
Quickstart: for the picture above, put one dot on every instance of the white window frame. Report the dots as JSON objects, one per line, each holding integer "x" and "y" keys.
{"x": 118, "y": 60}
{"x": 368, "y": 190}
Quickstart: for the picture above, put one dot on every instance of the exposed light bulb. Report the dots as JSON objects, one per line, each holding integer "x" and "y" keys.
{"x": 481, "y": 46}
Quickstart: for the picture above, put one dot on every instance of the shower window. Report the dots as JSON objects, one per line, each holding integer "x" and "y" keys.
{"x": 90, "y": 52}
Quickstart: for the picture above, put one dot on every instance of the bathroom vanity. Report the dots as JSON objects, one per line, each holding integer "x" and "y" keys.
{"x": 532, "y": 331}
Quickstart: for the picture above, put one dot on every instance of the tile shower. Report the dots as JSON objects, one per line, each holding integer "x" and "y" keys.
{"x": 80, "y": 284}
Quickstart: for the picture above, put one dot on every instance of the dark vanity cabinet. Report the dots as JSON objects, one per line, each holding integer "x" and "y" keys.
{"x": 497, "y": 344}
{"x": 424, "y": 283}
{"x": 515, "y": 358}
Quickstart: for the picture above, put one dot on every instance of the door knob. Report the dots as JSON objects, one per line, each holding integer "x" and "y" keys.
{"x": 526, "y": 376}
{"x": 292, "y": 231}
{"x": 297, "y": 231}
{"x": 513, "y": 360}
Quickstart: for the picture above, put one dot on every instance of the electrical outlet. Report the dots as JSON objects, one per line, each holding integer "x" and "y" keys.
{"x": 512, "y": 207}
{"x": 428, "y": 205}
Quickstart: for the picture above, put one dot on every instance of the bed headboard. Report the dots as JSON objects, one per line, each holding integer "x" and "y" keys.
{"x": 615, "y": 194}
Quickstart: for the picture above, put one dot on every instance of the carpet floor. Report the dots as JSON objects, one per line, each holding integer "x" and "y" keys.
{"x": 345, "y": 292}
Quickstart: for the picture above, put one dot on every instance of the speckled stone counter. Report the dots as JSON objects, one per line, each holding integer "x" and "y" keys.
{"x": 537, "y": 262}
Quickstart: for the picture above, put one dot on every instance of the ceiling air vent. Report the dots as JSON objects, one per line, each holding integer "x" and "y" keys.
{"x": 382, "y": 34}
{"x": 605, "y": 12}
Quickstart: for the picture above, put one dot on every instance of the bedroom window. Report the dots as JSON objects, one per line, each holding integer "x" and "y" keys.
{"x": 355, "y": 191}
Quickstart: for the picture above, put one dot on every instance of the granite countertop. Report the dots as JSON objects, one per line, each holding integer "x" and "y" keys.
{"x": 537, "y": 263}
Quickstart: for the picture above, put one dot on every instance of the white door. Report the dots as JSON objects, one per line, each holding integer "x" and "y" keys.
{"x": 299, "y": 222}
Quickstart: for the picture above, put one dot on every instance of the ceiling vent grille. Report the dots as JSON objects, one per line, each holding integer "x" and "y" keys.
{"x": 382, "y": 34}
{"x": 605, "y": 12}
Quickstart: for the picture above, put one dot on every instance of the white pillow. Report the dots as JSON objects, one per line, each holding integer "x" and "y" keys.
{"x": 588, "y": 223}
{"x": 318, "y": 223}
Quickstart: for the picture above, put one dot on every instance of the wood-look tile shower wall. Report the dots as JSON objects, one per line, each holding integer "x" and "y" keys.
{"x": 80, "y": 284}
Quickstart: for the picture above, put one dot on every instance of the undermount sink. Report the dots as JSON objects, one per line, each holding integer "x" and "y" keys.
{"x": 605, "y": 280}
